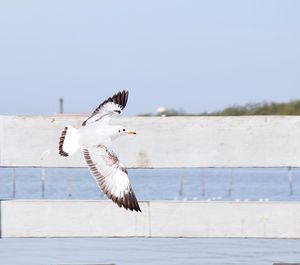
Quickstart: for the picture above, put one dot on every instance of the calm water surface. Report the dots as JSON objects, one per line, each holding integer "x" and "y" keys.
{"x": 156, "y": 184}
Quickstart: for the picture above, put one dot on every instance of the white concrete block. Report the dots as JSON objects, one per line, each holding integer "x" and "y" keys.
{"x": 158, "y": 219}
{"x": 162, "y": 142}
{"x": 71, "y": 219}
{"x": 225, "y": 219}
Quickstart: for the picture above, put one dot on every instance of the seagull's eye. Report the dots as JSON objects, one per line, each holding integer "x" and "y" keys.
{"x": 123, "y": 130}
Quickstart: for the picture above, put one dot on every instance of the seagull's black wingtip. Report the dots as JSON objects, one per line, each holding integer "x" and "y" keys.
{"x": 120, "y": 98}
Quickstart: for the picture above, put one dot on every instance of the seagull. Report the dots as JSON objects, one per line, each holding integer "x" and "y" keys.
{"x": 94, "y": 138}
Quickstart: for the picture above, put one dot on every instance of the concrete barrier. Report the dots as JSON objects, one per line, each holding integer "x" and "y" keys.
{"x": 158, "y": 219}
{"x": 162, "y": 142}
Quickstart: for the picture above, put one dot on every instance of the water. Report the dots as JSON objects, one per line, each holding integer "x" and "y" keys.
{"x": 157, "y": 184}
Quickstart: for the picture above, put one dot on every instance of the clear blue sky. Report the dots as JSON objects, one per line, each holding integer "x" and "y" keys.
{"x": 190, "y": 55}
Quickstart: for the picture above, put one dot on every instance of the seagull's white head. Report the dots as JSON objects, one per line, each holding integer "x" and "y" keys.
{"x": 121, "y": 130}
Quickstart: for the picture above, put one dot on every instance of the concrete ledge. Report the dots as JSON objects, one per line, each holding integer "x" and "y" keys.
{"x": 71, "y": 219}
{"x": 253, "y": 141}
{"x": 158, "y": 219}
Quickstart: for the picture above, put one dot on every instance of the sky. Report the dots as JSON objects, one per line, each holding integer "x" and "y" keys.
{"x": 190, "y": 55}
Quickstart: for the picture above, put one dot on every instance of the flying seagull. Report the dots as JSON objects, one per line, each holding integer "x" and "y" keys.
{"x": 94, "y": 138}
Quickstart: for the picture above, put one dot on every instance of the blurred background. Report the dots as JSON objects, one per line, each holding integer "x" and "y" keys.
{"x": 188, "y": 56}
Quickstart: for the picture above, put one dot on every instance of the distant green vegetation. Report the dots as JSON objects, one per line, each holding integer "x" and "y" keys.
{"x": 272, "y": 108}
{"x": 289, "y": 108}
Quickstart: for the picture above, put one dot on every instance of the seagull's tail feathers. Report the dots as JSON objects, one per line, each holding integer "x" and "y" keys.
{"x": 68, "y": 141}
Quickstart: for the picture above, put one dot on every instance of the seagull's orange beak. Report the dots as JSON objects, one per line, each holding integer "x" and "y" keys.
{"x": 131, "y": 132}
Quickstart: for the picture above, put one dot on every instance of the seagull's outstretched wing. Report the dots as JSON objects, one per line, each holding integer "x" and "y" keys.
{"x": 113, "y": 105}
{"x": 111, "y": 176}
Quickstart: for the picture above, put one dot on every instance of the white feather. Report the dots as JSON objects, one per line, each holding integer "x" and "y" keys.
{"x": 71, "y": 143}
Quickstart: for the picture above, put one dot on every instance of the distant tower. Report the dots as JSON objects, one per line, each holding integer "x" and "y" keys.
{"x": 61, "y": 105}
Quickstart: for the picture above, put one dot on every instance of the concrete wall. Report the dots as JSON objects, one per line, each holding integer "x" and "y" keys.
{"x": 255, "y": 141}
{"x": 161, "y": 142}
{"x": 158, "y": 219}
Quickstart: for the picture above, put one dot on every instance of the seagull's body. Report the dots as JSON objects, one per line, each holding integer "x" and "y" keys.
{"x": 96, "y": 133}
{"x": 94, "y": 138}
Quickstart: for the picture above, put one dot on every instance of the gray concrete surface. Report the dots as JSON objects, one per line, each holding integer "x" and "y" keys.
{"x": 147, "y": 251}
{"x": 158, "y": 219}
{"x": 162, "y": 142}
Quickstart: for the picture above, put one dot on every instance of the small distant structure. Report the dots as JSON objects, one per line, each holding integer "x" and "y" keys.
{"x": 61, "y": 105}
{"x": 161, "y": 111}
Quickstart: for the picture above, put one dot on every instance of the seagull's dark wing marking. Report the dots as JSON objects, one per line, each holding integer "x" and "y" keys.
{"x": 111, "y": 176}
{"x": 119, "y": 99}
{"x": 61, "y": 142}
